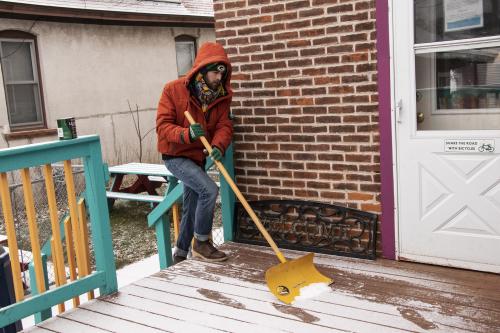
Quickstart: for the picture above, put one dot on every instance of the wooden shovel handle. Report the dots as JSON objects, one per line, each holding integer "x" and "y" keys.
{"x": 240, "y": 196}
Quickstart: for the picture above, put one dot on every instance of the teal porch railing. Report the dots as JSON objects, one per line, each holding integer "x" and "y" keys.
{"x": 96, "y": 175}
{"x": 104, "y": 277}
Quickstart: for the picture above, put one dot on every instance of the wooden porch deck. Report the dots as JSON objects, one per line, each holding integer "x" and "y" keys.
{"x": 367, "y": 296}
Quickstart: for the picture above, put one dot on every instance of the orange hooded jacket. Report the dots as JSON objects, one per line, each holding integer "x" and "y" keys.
{"x": 176, "y": 98}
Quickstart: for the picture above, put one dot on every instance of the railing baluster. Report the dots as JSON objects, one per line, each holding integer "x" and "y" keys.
{"x": 71, "y": 255}
{"x": 82, "y": 227}
{"x": 175, "y": 218}
{"x": 11, "y": 237}
{"x": 57, "y": 249}
{"x": 73, "y": 212}
{"x": 33, "y": 229}
{"x": 56, "y": 261}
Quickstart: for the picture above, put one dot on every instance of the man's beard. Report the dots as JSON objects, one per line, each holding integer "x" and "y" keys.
{"x": 213, "y": 85}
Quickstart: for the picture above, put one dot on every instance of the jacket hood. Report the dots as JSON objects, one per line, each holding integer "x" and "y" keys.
{"x": 210, "y": 53}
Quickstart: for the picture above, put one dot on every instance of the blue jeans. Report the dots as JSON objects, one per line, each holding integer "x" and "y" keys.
{"x": 200, "y": 195}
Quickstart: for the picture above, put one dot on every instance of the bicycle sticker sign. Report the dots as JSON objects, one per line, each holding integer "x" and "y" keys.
{"x": 469, "y": 146}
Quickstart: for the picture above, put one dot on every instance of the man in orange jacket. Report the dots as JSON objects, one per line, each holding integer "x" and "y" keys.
{"x": 206, "y": 93}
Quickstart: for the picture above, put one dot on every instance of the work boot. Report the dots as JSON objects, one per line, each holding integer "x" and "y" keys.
{"x": 177, "y": 259}
{"x": 207, "y": 252}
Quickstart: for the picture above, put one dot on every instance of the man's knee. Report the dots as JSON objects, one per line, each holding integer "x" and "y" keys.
{"x": 212, "y": 190}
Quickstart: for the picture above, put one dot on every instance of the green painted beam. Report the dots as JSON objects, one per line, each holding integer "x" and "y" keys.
{"x": 44, "y": 153}
{"x": 47, "y": 313}
{"x": 17, "y": 311}
{"x": 227, "y": 197}
{"x": 165, "y": 205}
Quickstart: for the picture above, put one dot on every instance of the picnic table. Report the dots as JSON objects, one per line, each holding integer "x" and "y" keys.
{"x": 149, "y": 177}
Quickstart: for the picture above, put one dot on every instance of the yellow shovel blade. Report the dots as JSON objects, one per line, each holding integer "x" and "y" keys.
{"x": 286, "y": 279}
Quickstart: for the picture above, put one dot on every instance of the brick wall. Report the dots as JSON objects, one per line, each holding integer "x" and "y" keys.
{"x": 305, "y": 83}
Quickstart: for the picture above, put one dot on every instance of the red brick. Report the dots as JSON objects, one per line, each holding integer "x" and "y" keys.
{"x": 315, "y": 110}
{"x": 288, "y": 92}
{"x": 275, "y": 64}
{"x": 325, "y": 20}
{"x": 298, "y": 24}
{"x": 262, "y": 57}
{"x": 258, "y": 2}
{"x": 273, "y": 27}
{"x": 286, "y": 35}
{"x": 311, "y": 12}
{"x": 302, "y": 138}
{"x": 353, "y": 38}
{"x": 298, "y": 43}
{"x": 286, "y": 54}
{"x": 299, "y": 82}
{"x": 247, "y": 12}
{"x": 300, "y": 63}
{"x": 310, "y": 52}
{"x": 355, "y": 17}
{"x": 340, "y": 9}
{"x": 312, "y": 33}
{"x": 340, "y": 90}
{"x": 314, "y": 71}
{"x": 271, "y": 47}
{"x": 326, "y": 40}
{"x": 272, "y": 9}
{"x": 262, "y": 76}
{"x": 248, "y": 31}
{"x": 314, "y": 129}
{"x": 260, "y": 19}
{"x": 305, "y": 175}
{"x": 261, "y": 39}
{"x": 327, "y": 100}
{"x": 285, "y": 16}
{"x": 339, "y": 28}
{"x": 236, "y": 23}
{"x": 234, "y": 4}
{"x": 327, "y": 80}
{"x": 297, "y": 4}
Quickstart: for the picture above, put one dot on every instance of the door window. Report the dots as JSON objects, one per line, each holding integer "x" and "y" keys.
{"x": 457, "y": 80}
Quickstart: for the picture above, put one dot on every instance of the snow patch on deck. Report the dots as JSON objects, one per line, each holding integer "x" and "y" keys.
{"x": 311, "y": 291}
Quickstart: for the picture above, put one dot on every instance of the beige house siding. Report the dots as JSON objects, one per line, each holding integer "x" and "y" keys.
{"x": 92, "y": 72}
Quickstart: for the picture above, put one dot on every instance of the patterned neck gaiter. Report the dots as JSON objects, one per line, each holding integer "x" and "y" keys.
{"x": 204, "y": 93}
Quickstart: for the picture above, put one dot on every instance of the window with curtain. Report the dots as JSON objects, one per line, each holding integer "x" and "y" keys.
{"x": 18, "y": 58}
{"x": 185, "y": 49}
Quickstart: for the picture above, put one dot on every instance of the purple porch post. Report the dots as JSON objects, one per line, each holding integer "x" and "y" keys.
{"x": 384, "y": 95}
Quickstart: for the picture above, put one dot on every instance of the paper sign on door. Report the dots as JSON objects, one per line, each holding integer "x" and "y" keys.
{"x": 469, "y": 146}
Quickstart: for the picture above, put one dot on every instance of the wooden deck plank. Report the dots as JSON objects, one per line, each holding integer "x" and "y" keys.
{"x": 261, "y": 301}
{"x": 383, "y": 289}
{"x": 367, "y": 296}
{"x": 489, "y": 298}
{"x": 333, "y": 303}
{"x": 106, "y": 322}
{"x": 129, "y": 311}
{"x": 441, "y": 278}
{"x": 183, "y": 313}
{"x": 64, "y": 325}
{"x": 230, "y": 310}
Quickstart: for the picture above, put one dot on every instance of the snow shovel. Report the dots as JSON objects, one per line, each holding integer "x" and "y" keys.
{"x": 287, "y": 278}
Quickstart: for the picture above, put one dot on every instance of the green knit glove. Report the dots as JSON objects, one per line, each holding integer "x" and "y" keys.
{"x": 195, "y": 131}
{"x": 216, "y": 154}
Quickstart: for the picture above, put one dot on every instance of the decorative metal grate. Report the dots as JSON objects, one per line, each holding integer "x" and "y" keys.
{"x": 310, "y": 226}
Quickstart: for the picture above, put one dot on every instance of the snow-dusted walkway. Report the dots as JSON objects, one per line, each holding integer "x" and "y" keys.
{"x": 367, "y": 296}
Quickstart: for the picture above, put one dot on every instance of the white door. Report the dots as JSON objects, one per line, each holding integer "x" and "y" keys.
{"x": 446, "y": 92}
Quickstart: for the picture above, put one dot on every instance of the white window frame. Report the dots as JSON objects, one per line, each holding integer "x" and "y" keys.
{"x": 36, "y": 81}
{"x": 457, "y": 45}
{"x": 193, "y": 54}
